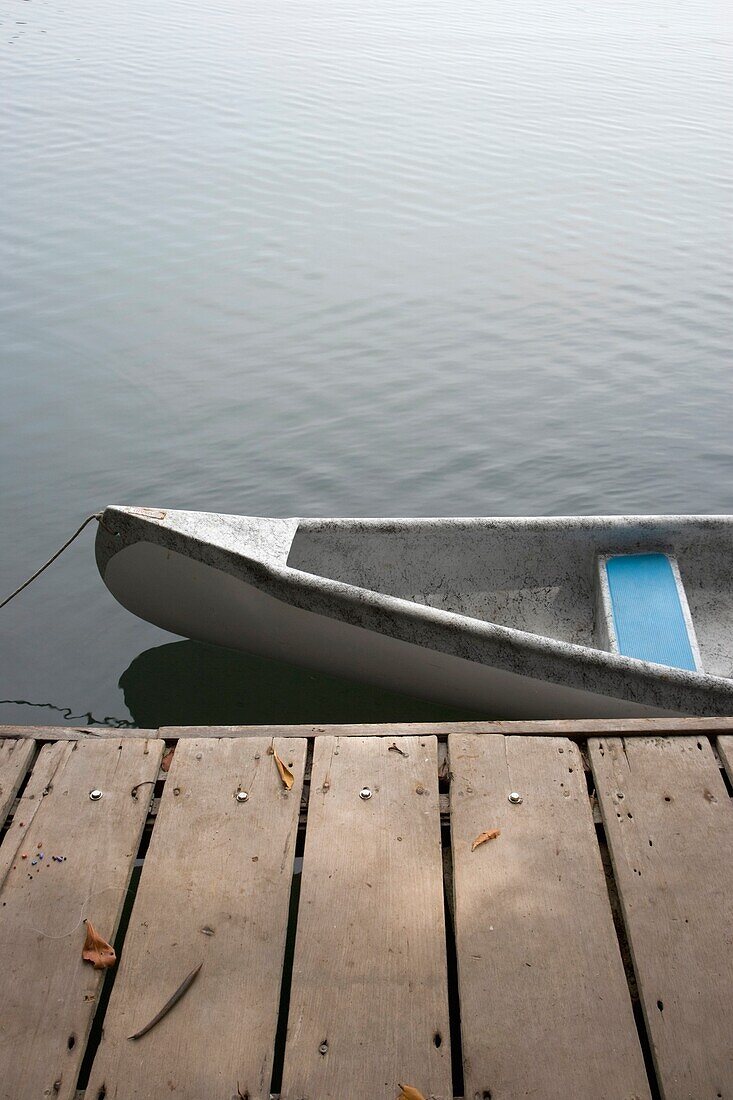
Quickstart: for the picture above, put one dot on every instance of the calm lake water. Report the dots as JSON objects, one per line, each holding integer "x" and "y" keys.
{"x": 336, "y": 258}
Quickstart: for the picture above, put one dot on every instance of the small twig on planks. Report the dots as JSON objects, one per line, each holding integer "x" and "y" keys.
{"x": 168, "y": 1004}
{"x": 143, "y": 783}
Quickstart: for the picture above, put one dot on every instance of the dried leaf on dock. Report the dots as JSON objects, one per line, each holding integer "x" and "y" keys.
{"x": 409, "y": 1093}
{"x": 490, "y": 834}
{"x": 96, "y": 950}
{"x": 285, "y": 773}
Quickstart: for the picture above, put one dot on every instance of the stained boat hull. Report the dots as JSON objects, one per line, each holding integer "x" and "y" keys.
{"x": 240, "y": 582}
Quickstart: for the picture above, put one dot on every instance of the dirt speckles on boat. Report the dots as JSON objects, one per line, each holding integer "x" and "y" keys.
{"x": 513, "y": 617}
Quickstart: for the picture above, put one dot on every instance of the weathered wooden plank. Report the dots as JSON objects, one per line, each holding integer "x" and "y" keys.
{"x": 74, "y": 733}
{"x": 215, "y": 888}
{"x": 724, "y": 746}
{"x": 669, "y": 823}
{"x": 15, "y": 758}
{"x": 545, "y": 1008}
{"x": 576, "y": 729}
{"x": 49, "y": 995}
{"x": 368, "y": 1004}
{"x": 51, "y": 760}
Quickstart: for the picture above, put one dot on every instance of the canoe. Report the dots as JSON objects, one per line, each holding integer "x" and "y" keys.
{"x": 574, "y": 617}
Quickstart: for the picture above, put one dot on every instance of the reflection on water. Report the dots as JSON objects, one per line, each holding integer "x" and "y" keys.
{"x": 53, "y": 714}
{"x": 189, "y": 683}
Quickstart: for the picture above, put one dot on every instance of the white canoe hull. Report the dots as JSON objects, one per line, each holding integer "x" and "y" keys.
{"x": 233, "y": 586}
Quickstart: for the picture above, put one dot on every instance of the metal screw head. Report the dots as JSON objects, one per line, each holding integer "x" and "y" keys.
{"x": 365, "y": 793}
{"x": 95, "y": 795}
{"x": 323, "y": 1048}
{"x": 515, "y": 798}
{"x": 242, "y": 796}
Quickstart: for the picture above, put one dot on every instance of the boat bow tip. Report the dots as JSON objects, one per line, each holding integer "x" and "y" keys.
{"x": 260, "y": 539}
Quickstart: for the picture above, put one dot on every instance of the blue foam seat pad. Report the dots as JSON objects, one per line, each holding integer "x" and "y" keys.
{"x": 647, "y": 612}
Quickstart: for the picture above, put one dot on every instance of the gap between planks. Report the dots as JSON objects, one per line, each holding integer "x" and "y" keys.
{"x": 691, "y": 726}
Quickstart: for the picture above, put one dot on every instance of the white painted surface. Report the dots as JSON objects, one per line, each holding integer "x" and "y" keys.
{"x": 492, "y": 614}
{"x": 195, "y": 600}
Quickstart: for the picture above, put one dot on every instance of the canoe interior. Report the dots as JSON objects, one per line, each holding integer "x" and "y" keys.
{"x": 538, "y": 576}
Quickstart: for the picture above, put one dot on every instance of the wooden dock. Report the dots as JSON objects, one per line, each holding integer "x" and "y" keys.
{"x": 352, "y": 935}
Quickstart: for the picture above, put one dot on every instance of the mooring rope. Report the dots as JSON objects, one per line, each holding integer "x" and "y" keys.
{"x": 96, "y": 515}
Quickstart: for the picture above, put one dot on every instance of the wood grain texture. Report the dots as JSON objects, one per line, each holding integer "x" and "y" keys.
{"x": 669, "y": 823}
{"x": 724, "y": 746}
{"x": 75, "y": 733}
{"x": 215, "y": 889}
{"x": 15, "y": 758}
{"x": 545, "y": 1008}
{"x": 51, "y": 761}
{"x": 368, "y": 1005}
{"x": 49, "y": 993}
{"x": 576, "y": 729}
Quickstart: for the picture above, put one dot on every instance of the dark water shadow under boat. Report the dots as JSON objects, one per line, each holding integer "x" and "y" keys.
{"x": 189, "y": 683}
